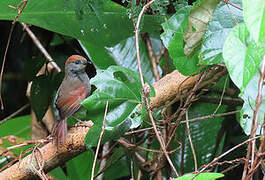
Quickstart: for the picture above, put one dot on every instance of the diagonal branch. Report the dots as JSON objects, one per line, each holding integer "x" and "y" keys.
{"x": 52, "y": 157}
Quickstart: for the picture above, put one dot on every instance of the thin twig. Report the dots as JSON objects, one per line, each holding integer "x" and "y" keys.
{"x": 230, "y": 168}
{"x": 227, "y": 2}
{"x": 103, "y": 161}
{"x": 40, "y": 166}
{"x": 191, "y": 144}
{"x": 160, "y": 55}
{"x": 23, "y": 3}
{"x": 152, "y": 57}
{"x": 182, "y": 110}
{"x": 259, "y": 157}
{"x": 41, "y": 48}
{"x": 3, "y": 64}
{"x": 224, "y": 154}
{"x": 252, "y": 145}
{"x": 127, "y": 144}
{"x": 110, "y": 165}
{"x": 139, "y": 175}
{"x": 13, "y": 161}
{"x": 143, "y": 86}
{"x": 25, "y": 143}
{"x": 138, "y": 131}
{"x": 232, "y": 14}
{"x": 225, "y": 100}
{"x": 99, "y": 141}
{"x": 255, "y": 121}
{"x": 211, "y": 116}
{"x": 220, "y": 103}
{"x": 14, "y": 114}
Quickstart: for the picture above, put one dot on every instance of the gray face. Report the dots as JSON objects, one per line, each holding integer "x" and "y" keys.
{"x": 76, "y": 66}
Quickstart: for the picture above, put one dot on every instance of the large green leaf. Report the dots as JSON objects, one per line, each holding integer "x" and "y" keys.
{"x": 40, "y": 95}
{"x": 58, "y": 173}
{"x": 217, "y": 31}
{"x": 32, "y": 67}
{"x": 122, "y": 54}
{"x": 100, "y": 22}
{"x": 183, "y": 34}
{"x": 122, "y": 88}
{"x": 118, "y": 165}
{"x": 242, "y": 55}
{"x": 200, "y": 15}
{"x": 203, "y": 137}
{"x": 249, "y": 96}
{"x": 80, "y": 167}
{"x": 201, "y": 176}
{"x": 19, "y": 126}
{"x": 254, "y": 17}
{"x": 174, "y": 30}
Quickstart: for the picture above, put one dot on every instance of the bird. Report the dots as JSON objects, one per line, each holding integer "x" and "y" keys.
{"x": 74, "y": 88}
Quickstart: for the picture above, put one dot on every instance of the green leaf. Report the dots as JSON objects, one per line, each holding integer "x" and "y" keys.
{"x": 118, "y": 165}
{"x": 40, "y": 95}
{"x": 180, "y": 4}
{"x": 123, "y": 54}
{"x": 32, "y": 67}
{"x": 254, "y": 17}
{"x": 100, "y": 22}
{"x": 174, "y": 30}
{"x": 217, "y": 31}
{"x": 206, "y": 141}
{"x": 201, "y": 176}
{"x": 200, "y": 15}
{"x": 122, "y": 88}
{"x": 249, "y": 96}
{"x": 80, "y": 167}
{"x": 19, "y": 126}
{"x": 58, "y": 173}
{"x": 160, "y": 6}
{"x": 203, "y": 137}
{"x": 242, "y": 56}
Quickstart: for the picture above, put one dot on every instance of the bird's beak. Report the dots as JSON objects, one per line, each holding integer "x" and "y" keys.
{"x": 85, "y": 62}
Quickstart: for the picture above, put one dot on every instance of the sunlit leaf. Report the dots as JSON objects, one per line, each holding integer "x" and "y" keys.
{"x": 254, "y": 17}
{"x": 249, "y": 96}
{"x": 121, "y": 87}
{"x": 242, "y": 56}
{"x": 201, "y": 176}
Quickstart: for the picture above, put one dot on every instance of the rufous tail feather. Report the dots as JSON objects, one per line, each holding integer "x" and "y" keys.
{"x": 59, "y": 132}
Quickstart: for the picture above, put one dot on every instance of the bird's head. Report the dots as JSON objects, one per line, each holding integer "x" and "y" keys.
{"x": 75, "y": 64}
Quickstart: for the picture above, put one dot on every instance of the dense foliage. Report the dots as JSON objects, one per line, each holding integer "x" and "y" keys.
{"x": 192, "y": 37}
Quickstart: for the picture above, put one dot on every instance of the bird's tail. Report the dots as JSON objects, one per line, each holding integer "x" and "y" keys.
{"x": 59, "y": 132}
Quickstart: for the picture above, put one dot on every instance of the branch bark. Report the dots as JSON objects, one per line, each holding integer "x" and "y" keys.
{"x": 52, "y": 158}
{"x": 174, "y": 85}
{"x": 170, "y": 86}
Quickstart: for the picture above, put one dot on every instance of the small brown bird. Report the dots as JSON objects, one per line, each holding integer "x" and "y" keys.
{"x": 74, "y": 88}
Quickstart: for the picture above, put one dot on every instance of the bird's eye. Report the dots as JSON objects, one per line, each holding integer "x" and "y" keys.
{"x": 77, "y": 62}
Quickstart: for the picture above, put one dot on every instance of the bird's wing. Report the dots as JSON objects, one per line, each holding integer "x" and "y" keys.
{"x": 68, "y": 104}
